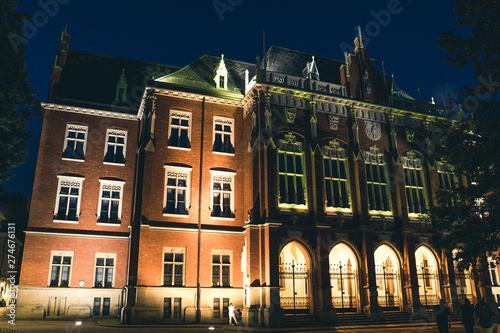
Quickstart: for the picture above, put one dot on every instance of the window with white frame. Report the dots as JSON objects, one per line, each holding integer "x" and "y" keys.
{"x": 223, "y": 135}
{"x": 110, "y": 201}
{"x": 75, "y": 142}
{"x": 221, "y": 268}
{"x": 493, "y": 270}
{"x": 376, "y": 181}
{"x": 116, "y": 144}
{"x": 173, "y": 266}
{"x": 69, "y": 193}
{"x": 105, "y": 264}
{"x": 291, "y": 173}
{"x": 336, "y": 177}
{"x": 416, "y": 197}
{"x": 179, "y": 131}
{"x": 177, "y": 185}
{"x": 60, "y": 268}
{"x": 222, "y": 194}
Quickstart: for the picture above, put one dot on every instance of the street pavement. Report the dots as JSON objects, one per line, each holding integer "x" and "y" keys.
{"x": 114, "y": 326}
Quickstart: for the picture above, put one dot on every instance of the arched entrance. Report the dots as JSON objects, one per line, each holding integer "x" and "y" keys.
{"x": 295, "y": 288}
{"x": 428, "y": 282}
{"x": 343, "y": 278}
{"x": 387, "y": 274}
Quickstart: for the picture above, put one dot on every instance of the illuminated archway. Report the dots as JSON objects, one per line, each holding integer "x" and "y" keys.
{"x": 343, "y": 277}
{"x": 387, "y": 273}
{"x": 295, "y": 268}
{"x": 428, "y": 281}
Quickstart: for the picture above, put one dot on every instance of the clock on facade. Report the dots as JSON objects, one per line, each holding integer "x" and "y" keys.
{"x": 373, "y": 130}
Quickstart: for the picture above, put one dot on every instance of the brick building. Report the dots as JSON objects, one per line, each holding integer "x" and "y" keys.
{"x": 296, "y": 184}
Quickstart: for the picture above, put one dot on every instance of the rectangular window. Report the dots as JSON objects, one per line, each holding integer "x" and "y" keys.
{"x": 221, "y": 270}
{"x": 75, "y": 142}
{"x": 177, "y": 307}
{"x": 105, "y": 306}
{"x": 110, "y": 201}
{"x": 180, "y": 129}
{"x": 336, "y": 179}
{"x": 68, "y": 198}
{"x": 291, "y": 174}
{"x": 216, "y": 308}
{"x": 60, "y": 269}
{"x": 97, "y": 306}
{"x": 225, "y": 305}
{"x": 376, "y": 181}
{"x": 414, "y": 184}
{"x": 223, "y": 135}
{"x": 222, "y": 194}
{"x": 173, "y": 266}
{"x": 447, "y": 181}
{"x": 492, "y": 268}
{"x": 167, "y": 307}
{"x": 116, "y": 143}
{"x": 177, "y": 185}
{"x": 104, "y": 270}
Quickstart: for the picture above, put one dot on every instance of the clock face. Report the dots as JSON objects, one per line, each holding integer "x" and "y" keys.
{"x": 373, "y": 130}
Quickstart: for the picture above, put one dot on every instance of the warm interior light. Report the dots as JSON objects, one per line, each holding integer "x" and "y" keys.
{"x": 78, "y": 323}
{"x": 211, "y": 328}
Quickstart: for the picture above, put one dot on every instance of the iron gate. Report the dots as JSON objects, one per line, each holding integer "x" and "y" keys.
{"x": 387, "y": 282}
{"x": 427, "y": 289}
{"x": 343, "y": 284}
{"x": 294, "y": 287}
{"x": 464, "y": 286}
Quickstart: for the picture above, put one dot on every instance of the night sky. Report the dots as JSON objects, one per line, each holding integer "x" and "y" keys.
{"x": 402, "y": 33}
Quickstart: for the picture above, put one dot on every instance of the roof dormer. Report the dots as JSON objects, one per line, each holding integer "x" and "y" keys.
{"x": 220, "y": 77}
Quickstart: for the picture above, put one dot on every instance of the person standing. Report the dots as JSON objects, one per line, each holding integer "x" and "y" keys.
{"x": 467, "y": 315}
{"x": 485, "y": 317}
{"x": 230, "y": 309}
{"x": 442, "y": 314}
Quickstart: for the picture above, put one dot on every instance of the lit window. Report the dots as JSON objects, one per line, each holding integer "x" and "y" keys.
{"x": 179, "y": 132}
{"x": 110, "y": 201}
{"x": 69, "y": 193}
{"x": 177, "y": 184}
{"x": 173, "y": 266}
{"x": 222, "y": 194}
{"x": 414, "y": 184}
{"x": 75, "y": 142}
{"x": 104, "y": 268}
{"x": 223, "y": 135}
{"x": 291, "y": 175}
{"x": 376, "y": 181}
{"x": 492, "y": 268}
{"x": 336, "y": 177}
{"x": 221, "y": 269}
{"x": 106, "y": 302}
{"x": 116, "y": 143}
{"x": 447, "y": 180}
{"x": 60, "y": 269}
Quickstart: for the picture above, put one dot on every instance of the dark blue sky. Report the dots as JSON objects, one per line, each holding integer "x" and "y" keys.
{"x": 403, "y": 33}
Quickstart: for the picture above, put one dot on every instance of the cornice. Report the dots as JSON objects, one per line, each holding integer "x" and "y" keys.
{"x": 88, "y": 111}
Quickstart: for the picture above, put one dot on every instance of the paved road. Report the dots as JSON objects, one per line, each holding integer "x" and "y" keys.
{"x": 95, "y": 327}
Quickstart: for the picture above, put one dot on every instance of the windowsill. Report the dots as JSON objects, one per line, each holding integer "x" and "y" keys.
{"x": 289, "y": 207}
{"x": 179, "y": 148}
{"x": 380, "y": 212}
{"x": 109, "y": 224}
{"x": 336, "y": 211}
{"x": 58, "y": 287}
{"x": 112, "y": 163}
{"x": 175, "y": 215}
{"x": 221, "y": 287}
{"x": 222, "y": 153}
{"x": 73, "y": 159}
{"x": 172, "y": 286}
{"x": 102, "y": 287}
{"x": 378, "y": 217}
{"x": 65, "y": 221}
{"x": 222, "y": 218}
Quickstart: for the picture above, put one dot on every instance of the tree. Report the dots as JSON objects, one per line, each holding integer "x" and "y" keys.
{"x": 17, "y": 101}
{"x": 472, "y": 143}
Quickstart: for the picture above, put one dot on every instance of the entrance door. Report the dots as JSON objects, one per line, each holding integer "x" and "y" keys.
{"x": 387, "y": 274}
{"x": 428, "y": 286}
{"x": 295, "y": 288}
{"x": 343, "y": 278}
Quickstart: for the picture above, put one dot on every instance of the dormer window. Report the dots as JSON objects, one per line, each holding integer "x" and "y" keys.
{"x": 220, "y": 77}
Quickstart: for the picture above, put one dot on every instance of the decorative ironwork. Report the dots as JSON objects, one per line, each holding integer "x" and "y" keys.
{"x": 427, "y": 284}
{"x": 294, "y": 286}
{"x": 387, "y": 282}
{"x": 343, "y": 282}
